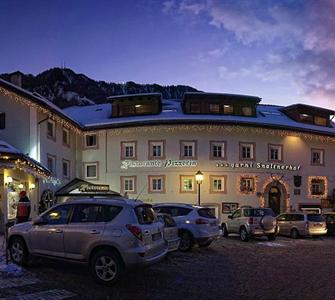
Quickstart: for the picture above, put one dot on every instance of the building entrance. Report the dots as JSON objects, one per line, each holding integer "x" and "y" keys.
{"x": 274, "y": 199}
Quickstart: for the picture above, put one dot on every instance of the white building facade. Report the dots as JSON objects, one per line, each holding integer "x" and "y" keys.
{"x": 148, "y": 148}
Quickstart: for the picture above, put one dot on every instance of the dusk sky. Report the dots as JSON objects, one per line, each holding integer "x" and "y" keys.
{"x": 282, "y": 51}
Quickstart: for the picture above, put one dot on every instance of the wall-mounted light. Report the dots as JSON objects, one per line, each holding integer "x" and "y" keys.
{"x": 20, "y": 186}
{"x": 9, "y": 182}
{"x": 9, "y": 179}
{"x": 32, "y": 186}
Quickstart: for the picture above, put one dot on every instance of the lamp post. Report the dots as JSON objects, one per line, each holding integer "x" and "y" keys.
{"x": 199, "y": 177}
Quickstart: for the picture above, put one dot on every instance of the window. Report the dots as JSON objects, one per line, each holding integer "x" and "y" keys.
{"x": 2, "y": 120}
{"x": 217, "y": 184}
{"x": 51, "y": 163}
{"x": 317, "y": 186}
{"x": 91, "y": 170}
{"x": 51, "y": 129}
{"x": 247, "y": 185}
{"x": 156, "y": 149}
{"x": 173, "y": 211}
{"x": 91, "y": 141}
{"x": 59, "y": 215}
{"x": 275, "y": 152}
{"x": 237, "y": 214}
{"x": 214, "y": 108}
{"x": 128, "y": 150}
{"x": 188, "y": 149}
{"x": 228, "y": 109}
{"x": 85, "y": 213}
{"x": 317, "y": 158}
{"x": 320, "y": 121}
{"x": 128, "y": 184}
{"x": 156, "y": 184}
{"x": 306, "y": 118}
{"x": 145, "y": 214}
{"x": 247, "y": 151}
{"x": 66, "y": 137}
{"x": 217, "y": 150}
{"x": 187, "y": 184}
{"x": 246, "y": 111}
{"x": 66, "y": 168}
{"x": 195, "y": 108}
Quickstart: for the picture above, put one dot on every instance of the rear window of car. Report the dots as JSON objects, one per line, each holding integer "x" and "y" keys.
{"x": 145, "y": 214}
{"x": 259, "y": 212}
{"x": 167, "y": 220}
{"x": 206, "y": 213}
{"x": 315, "y": 218}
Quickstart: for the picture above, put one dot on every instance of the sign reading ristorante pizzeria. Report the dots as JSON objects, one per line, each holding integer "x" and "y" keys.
{"x": 259, "y": 165}
{"x": 168, "y": 163}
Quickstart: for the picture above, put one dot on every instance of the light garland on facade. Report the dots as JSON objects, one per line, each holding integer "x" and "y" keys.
{"x": 219, "y": 128}
{"x": 39, "y": 108}
{"x": 247, "y": 176}
{"x": 325, "y": 182}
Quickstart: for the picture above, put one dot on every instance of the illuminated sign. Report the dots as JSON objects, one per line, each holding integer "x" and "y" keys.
{"x": 260, "y": 166}
{"x": 52, "y": 180}
{"x": 169, "y": 163}
{"x": 94, "y": 188}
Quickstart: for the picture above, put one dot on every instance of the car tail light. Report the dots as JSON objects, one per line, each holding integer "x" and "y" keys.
{"x": 251, "y": 220}
{"x": 201, "y": 221}
{"x": 136, "y": 231}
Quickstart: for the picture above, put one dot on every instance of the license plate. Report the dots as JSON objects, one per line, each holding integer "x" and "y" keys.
{"x": 156, "y": 236}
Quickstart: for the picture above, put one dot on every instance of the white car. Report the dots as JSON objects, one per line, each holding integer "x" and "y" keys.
{"x": 195, "y": 224}
{"x": 107, "y": 234}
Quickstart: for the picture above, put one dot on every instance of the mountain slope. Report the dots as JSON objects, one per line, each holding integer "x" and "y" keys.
{"x": 65, "y": 88}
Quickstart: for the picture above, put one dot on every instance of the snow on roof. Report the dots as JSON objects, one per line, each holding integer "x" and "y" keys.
{"x": 5, "y": 147}
{"x": 99, "y": 116}
{"x": 134, "y": 95}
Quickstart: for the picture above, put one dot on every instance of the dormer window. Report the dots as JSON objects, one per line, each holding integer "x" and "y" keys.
{"x": 214, "y": 108}
{"x": 320, "y": 121}
{"x": 306, "y": 118}
{"x": 228, "y": 109}
{"x": 246, "y": 111}
{"x": 195, "y": 108}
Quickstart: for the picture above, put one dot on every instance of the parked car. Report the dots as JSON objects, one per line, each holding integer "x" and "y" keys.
{"x": 170, "y": 232}
{"x": 295, "y": 224}
{"x": 250, "y": 222}
{"x": 195, "y": 224}
{"x": 330, "y": 222}
{"x": 108, "y": 234}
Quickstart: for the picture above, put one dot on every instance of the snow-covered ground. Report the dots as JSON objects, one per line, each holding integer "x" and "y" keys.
{"x": 9, "y": 269}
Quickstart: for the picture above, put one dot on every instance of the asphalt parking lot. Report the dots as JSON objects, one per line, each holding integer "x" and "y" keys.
{"x": 228, "y": 269}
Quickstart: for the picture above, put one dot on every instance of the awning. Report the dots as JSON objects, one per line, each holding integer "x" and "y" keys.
{"x": 78, "y": 187}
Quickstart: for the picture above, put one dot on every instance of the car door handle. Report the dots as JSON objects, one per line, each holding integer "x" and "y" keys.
{"x": 94, "y": 232}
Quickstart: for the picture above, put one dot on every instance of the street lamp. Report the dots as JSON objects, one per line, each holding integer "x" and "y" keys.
{"x": 199, "y": 177}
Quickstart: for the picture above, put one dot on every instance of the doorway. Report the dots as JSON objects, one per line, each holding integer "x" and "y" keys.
{"x": 274, "y": 199}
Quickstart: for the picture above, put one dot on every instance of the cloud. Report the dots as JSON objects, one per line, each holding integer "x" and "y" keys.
{"x": 298, "y": 39}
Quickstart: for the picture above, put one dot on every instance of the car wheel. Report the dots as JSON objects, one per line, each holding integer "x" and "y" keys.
{"x": 271, "y": 237}
{"x": 18, "y": 251}
{"x": 224, "y": 230}
{"x": 205, "y": 244}
{"x": 244, "y": 234}
{"x": 106, "y": 267}
{"x": 294, "y": 233}
{"x": 186, "y": 241}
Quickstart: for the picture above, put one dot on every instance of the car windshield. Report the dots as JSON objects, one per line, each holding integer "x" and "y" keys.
{"x": 315, "y": 218}
{"x": 260, "y": 212}
{"x": 145, "y": 214}
{"x": 206, "y": 213}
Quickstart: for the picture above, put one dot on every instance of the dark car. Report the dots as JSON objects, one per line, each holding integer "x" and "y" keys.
{"x": 330, "y": 222}
{"x": 170, "y": 231}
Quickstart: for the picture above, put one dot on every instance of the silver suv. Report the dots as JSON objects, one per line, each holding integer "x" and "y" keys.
{"x": 108, "y": 234}
{"x": 249, "y": 221}
{"x": 195, "y": 224}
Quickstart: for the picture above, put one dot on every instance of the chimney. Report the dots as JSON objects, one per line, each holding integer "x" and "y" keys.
{"x": 16, "y": 78}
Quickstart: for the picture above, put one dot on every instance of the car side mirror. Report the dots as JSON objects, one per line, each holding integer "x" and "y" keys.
{"x": 38, "y": 221}
{"x": 230, "y": 217}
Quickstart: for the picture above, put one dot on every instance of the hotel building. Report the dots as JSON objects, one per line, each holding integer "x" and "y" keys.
{"x": 148, "y": 148}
